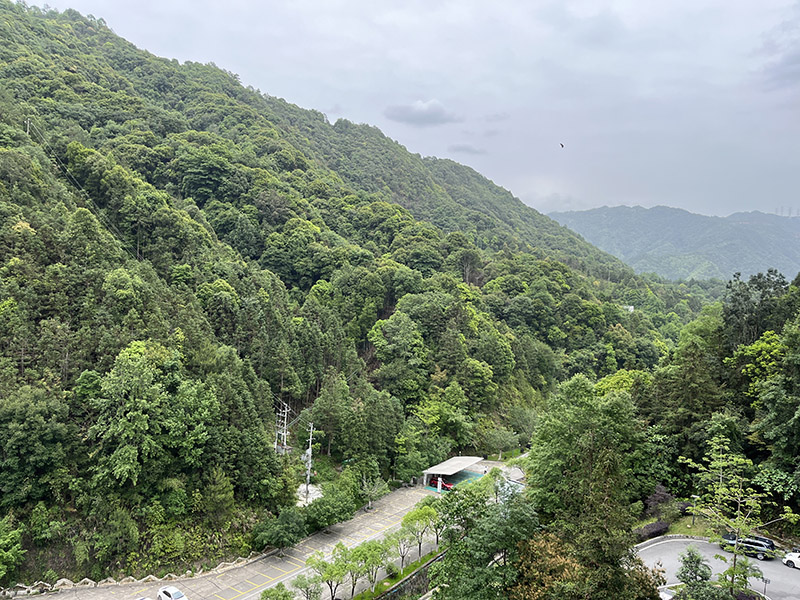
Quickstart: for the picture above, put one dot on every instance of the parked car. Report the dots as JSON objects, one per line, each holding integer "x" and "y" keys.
{"x": 170, "y": 592}
{"x": 754, "y": 545}
{"x": 435, "y": 483}
{"x": 760, "y": 538}
{"x": 792, "y": 560}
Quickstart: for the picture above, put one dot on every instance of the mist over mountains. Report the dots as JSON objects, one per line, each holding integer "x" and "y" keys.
{"x": 677, "y": 244}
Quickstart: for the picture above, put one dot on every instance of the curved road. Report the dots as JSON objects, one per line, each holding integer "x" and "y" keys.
{"x": 784, "y": 582}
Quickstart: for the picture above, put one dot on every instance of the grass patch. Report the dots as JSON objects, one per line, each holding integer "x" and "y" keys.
{"x": 683, "y": 526}
{"x": 382, "y": 586}
{"x": 506, "y": 455}
{"x": 642, "y": 522}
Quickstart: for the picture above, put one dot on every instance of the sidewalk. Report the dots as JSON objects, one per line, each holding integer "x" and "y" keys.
{"x": 246, "y": 582}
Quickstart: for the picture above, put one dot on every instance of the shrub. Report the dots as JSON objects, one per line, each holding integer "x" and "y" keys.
{"x": 654, "y": 501}
{"x": 670, "y": 511}
{"x": 334, "y": 506}
{"x": 392, "y": 570}
{"x": 651, "y": 530}
{"x": 286, "y": 530}
{"x": 279, "y": 592}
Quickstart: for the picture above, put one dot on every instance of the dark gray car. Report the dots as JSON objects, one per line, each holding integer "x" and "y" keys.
{"x": 755, "y": 545}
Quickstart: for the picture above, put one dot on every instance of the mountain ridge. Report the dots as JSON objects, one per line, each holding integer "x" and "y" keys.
{"x": 677, "y": 244}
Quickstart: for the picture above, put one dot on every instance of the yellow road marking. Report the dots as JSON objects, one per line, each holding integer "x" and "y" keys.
{"x": 293, "y": 564}
{"x": 256, "y": 586}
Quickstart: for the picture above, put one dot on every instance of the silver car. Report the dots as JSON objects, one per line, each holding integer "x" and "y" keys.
{"x": 170, "y": 592}
{"x": 792, "y": 559}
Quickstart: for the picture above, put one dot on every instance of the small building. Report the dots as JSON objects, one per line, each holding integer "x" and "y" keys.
{"x": 449, "y": 467}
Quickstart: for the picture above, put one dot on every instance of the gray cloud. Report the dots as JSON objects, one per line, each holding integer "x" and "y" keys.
{"x": 466, "y": 149}
{"x": 786, "y": 70}
{"x": 495, "y": 117}
{"x": 782, "y": 51}
{"x": 421, "y": 114}
{"x": 684, "y": 103}
{"x": 558, "y": 203}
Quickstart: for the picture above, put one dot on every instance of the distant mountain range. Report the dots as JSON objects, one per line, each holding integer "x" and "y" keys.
{"x": 677, "y": 244}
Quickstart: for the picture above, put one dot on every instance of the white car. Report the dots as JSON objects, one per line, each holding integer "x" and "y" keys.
{"x": 170, "y": 592}
{"x": 792, "y": 559}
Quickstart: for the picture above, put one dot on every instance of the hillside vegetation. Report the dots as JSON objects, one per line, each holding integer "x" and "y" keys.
{"x": 680, "y": 245}
{"x": 181, "y": 255}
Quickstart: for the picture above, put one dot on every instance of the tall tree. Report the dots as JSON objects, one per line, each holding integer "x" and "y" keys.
{"x": 401, "y": 542}
{"x": 483, "y": 563}
{"x": 578, "y": 472}
{"x": 308, "y": 586}
{"x": 404, "y": 357}
{"x": 547, "y": 569}
{"x": 753, "y": 307}
{"x": 331, "y": 407}
{"x": 696, "y": 574}
{"x": 418, "y": 521}
{"x": 282, "y": 531}
{"x": 732, "y": 505}
{"x": 373, "y": 555}
{"x": 332, "y": 572}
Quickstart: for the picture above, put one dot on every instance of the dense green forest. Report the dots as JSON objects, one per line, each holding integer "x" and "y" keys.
{"x": 180, "y": 256}
{"x": 677, "y": 244}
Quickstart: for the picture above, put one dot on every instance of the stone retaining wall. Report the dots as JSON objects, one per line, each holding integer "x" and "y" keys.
{"x": 661, "y": 538}
{"x": 41, "y": 587}
{"x": 415, "y": 583}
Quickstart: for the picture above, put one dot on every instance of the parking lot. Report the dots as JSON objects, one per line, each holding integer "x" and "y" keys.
{"x": 246, "y": 582}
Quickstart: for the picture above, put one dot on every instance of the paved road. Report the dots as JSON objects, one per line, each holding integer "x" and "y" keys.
{"x": 246, "y": 582}
{"x": 784, "y": 582}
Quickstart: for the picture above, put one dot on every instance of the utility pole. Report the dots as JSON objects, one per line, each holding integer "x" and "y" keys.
{"x": 308, "y": 458}
{"x": 282, "y": 426}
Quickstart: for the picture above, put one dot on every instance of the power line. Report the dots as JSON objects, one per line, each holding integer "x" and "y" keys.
{"x": 71, "y": 178}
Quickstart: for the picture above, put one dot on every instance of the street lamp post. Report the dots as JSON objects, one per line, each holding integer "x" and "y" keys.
{"x": 694, "y": 505}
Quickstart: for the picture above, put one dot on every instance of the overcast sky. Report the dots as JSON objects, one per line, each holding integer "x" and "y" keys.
{"x": 686, "y": 103}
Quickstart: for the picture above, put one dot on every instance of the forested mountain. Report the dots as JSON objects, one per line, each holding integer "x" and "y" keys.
{"x": 680, "y": 245}
{"x": 180, "y": 256}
